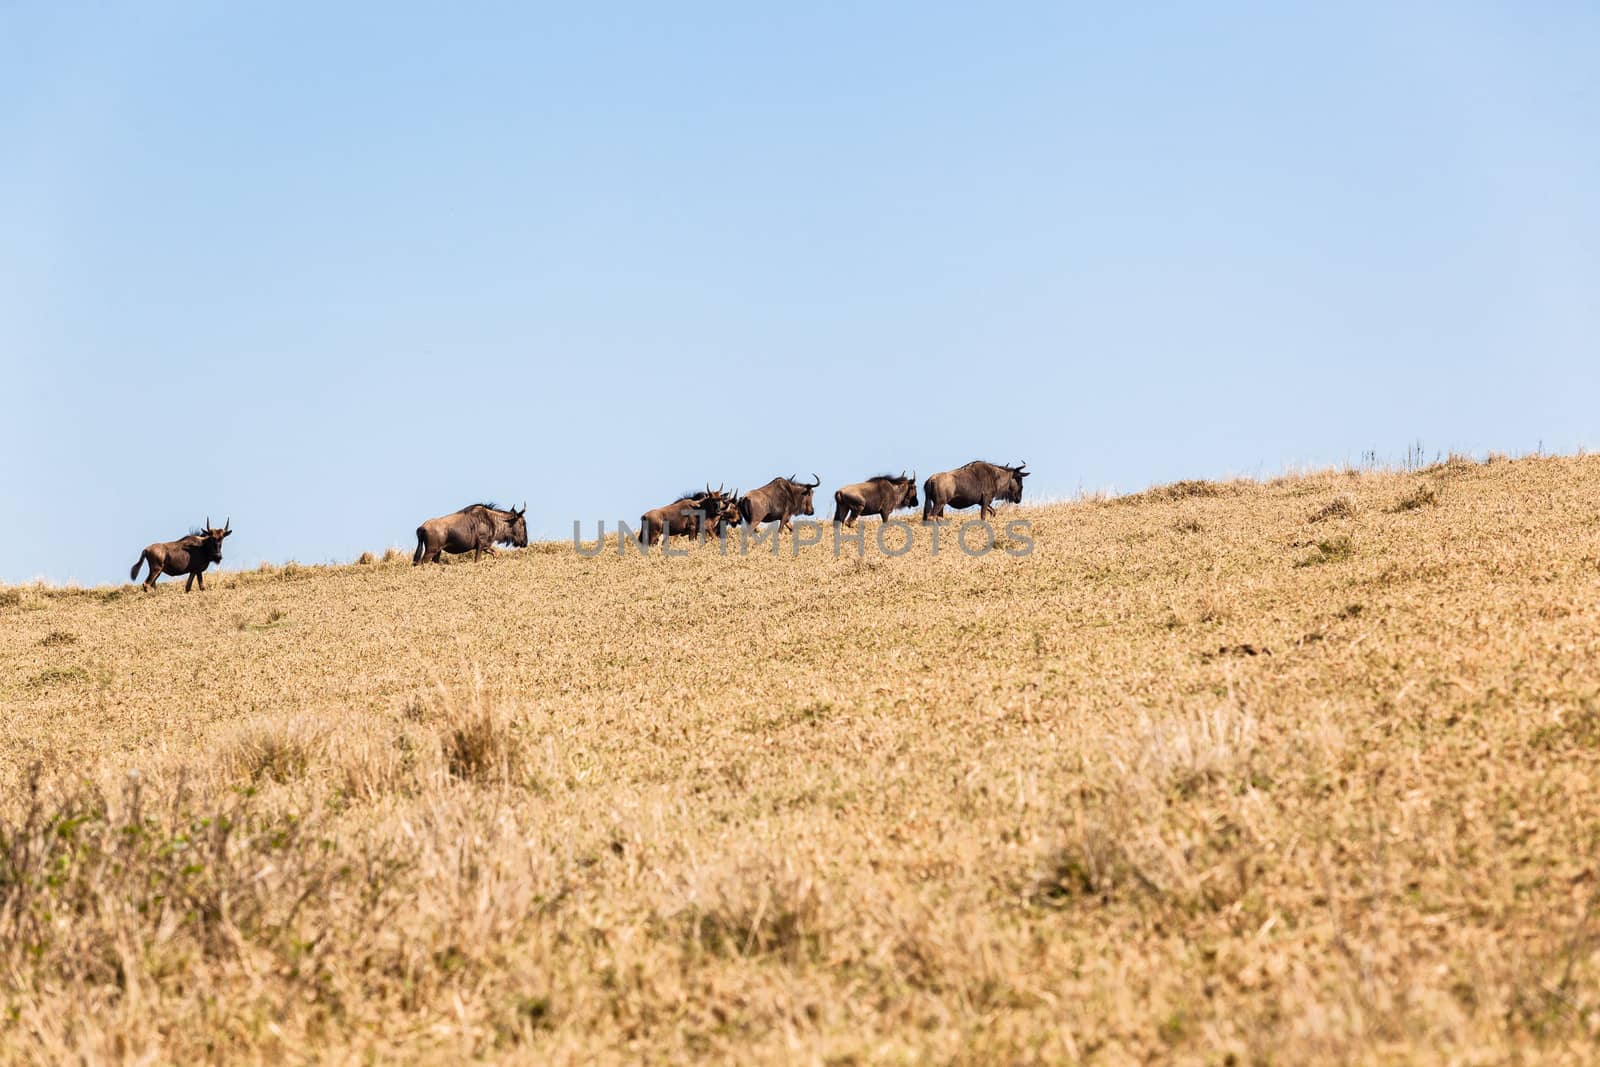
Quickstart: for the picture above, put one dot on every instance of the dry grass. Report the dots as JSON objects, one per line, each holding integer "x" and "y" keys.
{"x": 1161, "y": 790}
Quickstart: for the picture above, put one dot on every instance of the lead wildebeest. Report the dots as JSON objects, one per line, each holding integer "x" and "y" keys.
{"x": 697, "y": 514}
{"x": 977, "y": 483}
{"x": 878, "y": 496}
{"x": 781, "y": 499}
{"x": 475, "y": 528}
{"x": 188, "y": 555}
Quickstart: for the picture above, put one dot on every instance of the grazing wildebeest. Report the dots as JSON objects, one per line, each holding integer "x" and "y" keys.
{"x": 878, "y": 496}
{"x": 977, "y": 483}
{"x": 696, "y": 514}
{"x": 781, "y": 499}
{"x": 188, "y": 555}
{"x": 474, "y": 529}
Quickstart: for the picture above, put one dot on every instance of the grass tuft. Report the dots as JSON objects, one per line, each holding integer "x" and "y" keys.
{"x": 1340, "y": 507}
{"x": 1329, "y": 550}
{"x": 1422, "y": 495}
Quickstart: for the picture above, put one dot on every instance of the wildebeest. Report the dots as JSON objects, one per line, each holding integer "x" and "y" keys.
{"x": 188, "y": 555}
{"x": 977, "y": 483}
{"x": 879, "y": 495}
{"x": 475, "y": 528}
{"x": 697, "y": 514}
{"x": 781, "y": 499}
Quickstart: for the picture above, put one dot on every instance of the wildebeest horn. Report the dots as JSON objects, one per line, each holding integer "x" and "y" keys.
{"x": 208, "y": 522}
{"x": 818, "y": 478}
{"x": 227, "y": 524}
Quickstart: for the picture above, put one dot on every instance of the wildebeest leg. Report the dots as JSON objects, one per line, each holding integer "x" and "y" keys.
{"x": 199, "y": 577}
{"x": 155, "y": 572}
{"x": 190, "y": 583}
{"x": 844, "y": 509}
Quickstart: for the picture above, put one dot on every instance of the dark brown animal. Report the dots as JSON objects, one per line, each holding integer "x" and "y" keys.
{"x": 781, "y": 499}
{"x": 878, "y": 496}
{"x": 188, "y": 555}
{"x": 697, "y": 514}
{"x": 727, "y": 515}
{"x": 977, "y": 483}
{"x": 474, "y": 529}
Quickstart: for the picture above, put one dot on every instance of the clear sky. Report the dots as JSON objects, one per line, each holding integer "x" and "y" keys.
{"x": 331, "y": 269}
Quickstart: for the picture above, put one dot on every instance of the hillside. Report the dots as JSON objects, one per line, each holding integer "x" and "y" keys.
{"x": 1297, "y": 771}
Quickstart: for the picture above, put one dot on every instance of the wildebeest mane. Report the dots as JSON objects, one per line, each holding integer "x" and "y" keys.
{"x": 490, "y": 505}
{"x": 888, "y": 478}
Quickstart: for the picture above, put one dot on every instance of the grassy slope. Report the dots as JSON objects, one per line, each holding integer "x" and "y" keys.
{"x": 791, "y": 809}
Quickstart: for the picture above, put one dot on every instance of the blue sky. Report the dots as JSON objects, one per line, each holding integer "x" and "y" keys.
{"x": 331, "y": 272}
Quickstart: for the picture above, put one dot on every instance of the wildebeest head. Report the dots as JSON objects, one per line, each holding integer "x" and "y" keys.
{"x": 1010, "y": 487}
{"x": 802, "y": 494}
{"x": 908, "y": 498}
{"x": 517, "y": 526}
{"x": 211, "y": 544}
{"x": 725, "y": 512}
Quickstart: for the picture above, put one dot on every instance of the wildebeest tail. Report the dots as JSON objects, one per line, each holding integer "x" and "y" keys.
{"x": 744, "y": 510}
{"x": 416, "y": 557}
{"x": 133, "y": 575}
{"x": 838, "y": 505}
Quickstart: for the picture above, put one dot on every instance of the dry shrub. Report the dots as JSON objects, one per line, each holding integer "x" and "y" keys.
{"x": 374, "y": 758}
{"x": 366, "y": 559}
{"x": 277, "y": 750}
{"x": 118, "y": 893}
{"x": 480, "y": 737}
{"x": 1329, "y": 550}
{"x": 393, "y": 555}
{"x": 57, "y": 638}
{"x": 1423, "y": 495}
{"x": 754, "y": 907}
{"x": 1210, "y": 609}
{"x": 1184, "y": 751}
{"x": 10, "y": 598}
{"x": 1340, "y": 507}
{"x": 1186, "y": 490}
{"x": 1137, "y": 832}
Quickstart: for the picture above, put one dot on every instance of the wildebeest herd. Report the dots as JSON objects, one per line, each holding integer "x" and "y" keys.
{"x": 477, "y": 528}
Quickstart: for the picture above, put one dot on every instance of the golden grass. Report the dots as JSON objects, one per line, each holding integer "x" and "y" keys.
{"x": 1283, "y": 772}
